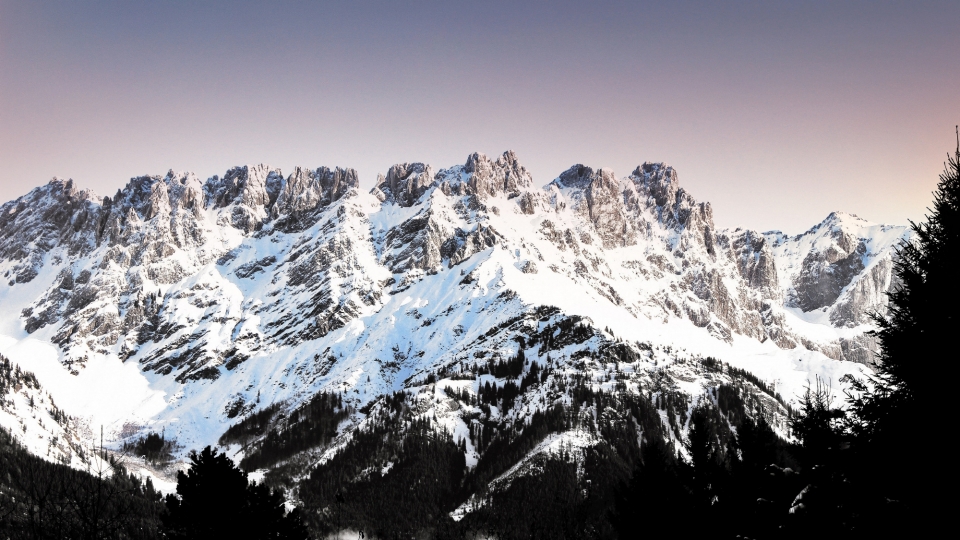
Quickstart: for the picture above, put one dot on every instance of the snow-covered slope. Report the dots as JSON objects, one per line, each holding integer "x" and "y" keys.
{"x": 186, "y": 305}
{"x": 31, "y": 415}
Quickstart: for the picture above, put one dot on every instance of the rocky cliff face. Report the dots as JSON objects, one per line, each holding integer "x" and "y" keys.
{"x": 256, "y": 283}
{"x": 843, "y": 267}
{"x": 244, "y": 196}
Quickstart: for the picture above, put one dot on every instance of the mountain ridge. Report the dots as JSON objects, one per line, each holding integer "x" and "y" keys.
{"x": 217, "y": 298}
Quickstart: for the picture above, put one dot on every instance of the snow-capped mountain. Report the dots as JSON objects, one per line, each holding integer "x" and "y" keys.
{"x": 187, "y": 305}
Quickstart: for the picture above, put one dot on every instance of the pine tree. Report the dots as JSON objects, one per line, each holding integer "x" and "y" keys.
{"x": 903, "y": 401}
{"x": 756, "y": 441}
{"x": 215, "y": 500}
{"x": 818, "y": 425}
{"x": 655, "y": 498}
{"x": 701, "y": 444}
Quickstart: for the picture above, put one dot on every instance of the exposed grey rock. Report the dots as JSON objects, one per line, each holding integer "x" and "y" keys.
{"x": 824, "y": 275}
{"x": 464, "y": 245}
{"x": 861, "y": 348}
{"x": 754, "y": 259}
{"x": 252, "y": 268}
{"x": 57, "y": 214}
{"x": 864, "y": 296}
{"x": 528, "y": 203}
{"x": 596, "y": 195}
{"x": 405, "y": 183}
{"x": 658, "y": 181}
{"x": 836, "y": 260}
{"x": 492, "y": 178}
{"x": 415, "y": 244}
{"x": 249, "y": 192}
{"x": 655, "y": 187}
{"x": 306, "y": 190}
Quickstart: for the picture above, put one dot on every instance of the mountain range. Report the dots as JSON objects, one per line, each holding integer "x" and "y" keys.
{"x": 186, "y": 307}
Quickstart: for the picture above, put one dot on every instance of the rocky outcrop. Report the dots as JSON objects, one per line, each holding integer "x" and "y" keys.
{"x": 596, "y": 196}
{"x": 55, "y": 215}
{"x": 655, "y": 188}
{"x": 153, "y": 233}
{"x": 248, "y": 193}
{"x": 404, "y": 184}
{"x": 491, "y": 178}
{"x": 306, "y": 190}
{"x": 674, "y": 207}
{"x": 480, "y": 178}
{"x": 658, "y": 181}
{"x": 464, "y": 245}
{"x": 754, "y": 259}
{"x": 864, "y": 296}
{"x": 842, "y": 266}
{"x": 825, "y": 274}
{"x": 415, "y": 244}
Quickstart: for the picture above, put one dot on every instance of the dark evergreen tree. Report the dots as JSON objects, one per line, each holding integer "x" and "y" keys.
{"x": 656, "y": 498}
{"x": 818, "y": 425}
{"x": 905, "y": 400}
{"x": 215, "y": 500}
{"x": 757, "y": 442}
{"x": 702, "y": 444}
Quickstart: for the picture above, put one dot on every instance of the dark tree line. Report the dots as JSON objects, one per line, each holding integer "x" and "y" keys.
{"x": 153, "y": 447}
{"x": 875, "y": 451}
{"x": 40, "y": 499}
{"x": 313, "y": 424}
{"x": 397, "y": 475}
{"x": 907, "y": 396}
{"x": 401, "y": 476}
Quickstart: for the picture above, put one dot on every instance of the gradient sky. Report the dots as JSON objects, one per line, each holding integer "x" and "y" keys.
{"x": 775, "y": 112}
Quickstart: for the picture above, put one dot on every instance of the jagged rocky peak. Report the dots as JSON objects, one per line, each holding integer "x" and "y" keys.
{"x": 306, "y": 189}
{"x": 578, "y": 176}
{"x": 659, "y": 180}
{"x": 404, "y": 184}
{"x": 656, "y": 186}
{"x": 843, "y": 228}
{"x": 835, "y": 258}
{"x": 249, "y": 192}
{"x": 480, "y": 177}
{"x": 57, "y": 205}
{"x": 492, "y": 178}
{"x": 842, "y": 266}
{"x": 250, "y": 185}
{"x": 596, "y": 195}
{"x": 426, "y": 240}
{"x": 177, "y": 193}
{"x": 173, "y": 203}
{"x": 184, "y": 192}
{"x": 51, "y": 215}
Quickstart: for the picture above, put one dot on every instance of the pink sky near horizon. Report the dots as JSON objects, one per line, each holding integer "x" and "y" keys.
{"x": 777, "y": 114}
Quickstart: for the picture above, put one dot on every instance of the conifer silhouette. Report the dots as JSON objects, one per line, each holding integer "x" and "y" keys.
{"x": 215, "y": 500}
{"x": 905, "y": 396}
